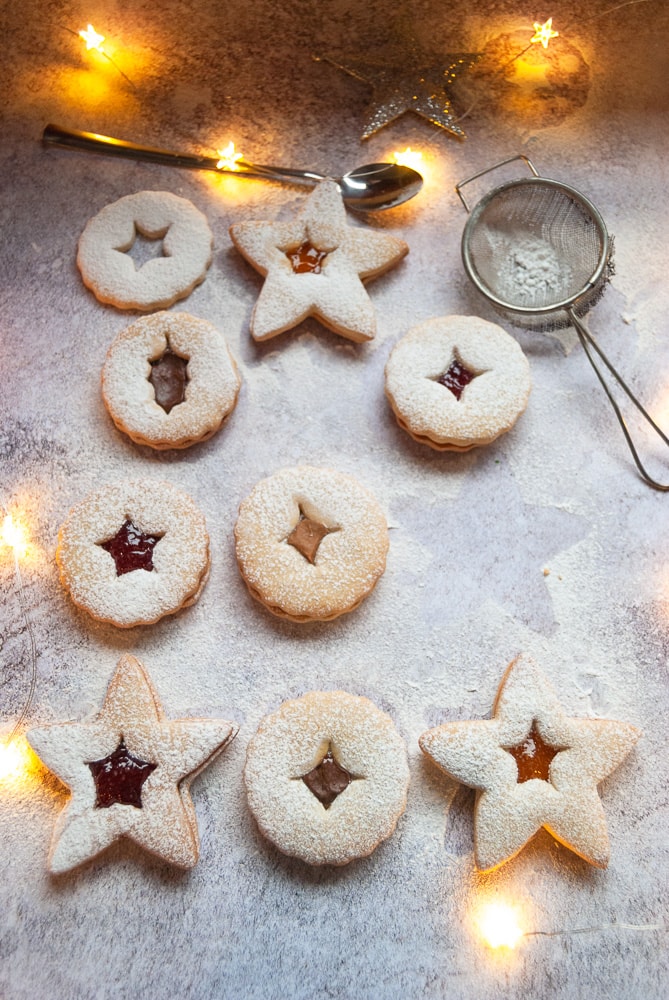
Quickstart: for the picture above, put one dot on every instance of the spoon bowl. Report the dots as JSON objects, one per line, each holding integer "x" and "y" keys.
{"x": 369, "y": 188}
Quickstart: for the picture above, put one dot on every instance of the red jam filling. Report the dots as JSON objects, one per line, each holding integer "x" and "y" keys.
{"x": 119, "y": 778}
{"x": 533, "y": 756}
{"x": 456, "y": 377}
{"x": 307, "y": 536}
{"x": 306, "y": 259}
{"x": 327, "y": 780}
{"x": 131, "y": 549}
{"x": 169, "y": 378}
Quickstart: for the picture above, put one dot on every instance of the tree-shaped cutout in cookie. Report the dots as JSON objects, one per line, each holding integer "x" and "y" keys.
{"x": 328, "y": 779}
{"x": 119, "y": 778}
{"x": 131, "y": 548}
{"x": 169, "y": 378}
{"x": 307, "y": 536}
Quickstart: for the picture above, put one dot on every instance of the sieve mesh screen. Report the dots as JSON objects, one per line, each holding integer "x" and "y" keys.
{"x": 533, "y": 246}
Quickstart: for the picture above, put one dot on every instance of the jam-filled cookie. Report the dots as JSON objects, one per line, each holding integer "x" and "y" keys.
{"x": 311, "y": 543}
{"x": 327, "y": 777}
{"x": 169, "y": 380}
{"x": 133, "y": 552}
{"x": 315, "y": 265}
{"x": 534, "y": 767}
{"x": 457, "y": 382}
{"x": 129, "y": 772}
{"x": 110, "y": 272}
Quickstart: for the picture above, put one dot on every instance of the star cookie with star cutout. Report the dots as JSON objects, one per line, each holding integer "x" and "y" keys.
{"x": 129, "y": 772}
{"x": 315, "y": 265}
{"x": 533, "y": 767}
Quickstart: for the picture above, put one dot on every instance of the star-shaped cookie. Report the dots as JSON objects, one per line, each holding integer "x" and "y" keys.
{"x": 315, "y": 265}
{"x": 129, "y": 772}
{"x": 533, "y": 767}
{"x": 411, "y": 81}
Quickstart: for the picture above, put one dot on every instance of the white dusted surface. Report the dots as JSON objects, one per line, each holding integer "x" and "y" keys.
{"x": 471, "y": 535}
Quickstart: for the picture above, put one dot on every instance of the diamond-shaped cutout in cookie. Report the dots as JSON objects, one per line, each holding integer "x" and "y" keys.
{"x": 169, "y": 378}
{"x": 533, "y": 756}
{"x": 456, "y": 377}
{"x": 306, "y": 259}
{"x": 131, "y": 548}
{"x": 119, "y": 778}
{"x": 307, "y": 536}
{"x": 327, "y": 780}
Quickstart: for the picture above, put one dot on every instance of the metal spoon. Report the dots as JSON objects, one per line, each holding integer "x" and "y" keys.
{"x": 365, "y": 189}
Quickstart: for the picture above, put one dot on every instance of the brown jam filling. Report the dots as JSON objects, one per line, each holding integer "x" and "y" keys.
{"x": 119, "y": 778}
{"x": 533, "y": 756}
{"x": 169, "y": 378}
{"x": 327, "y": 780}
{"x": 306, "y": 259}
{"x": 131, "y": 548}
{"x": 456, "y": 377}
{"x": 307, "y": 536}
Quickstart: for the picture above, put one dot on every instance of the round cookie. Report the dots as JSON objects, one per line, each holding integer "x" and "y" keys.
{"x": 327, "y": 777}
{"x": 457, "y": 382}
{"x": 110, "y": 272}
{"x": 311, "y": 543}
{"x": 169, "y": 380}
{"x": 133, "y": 552}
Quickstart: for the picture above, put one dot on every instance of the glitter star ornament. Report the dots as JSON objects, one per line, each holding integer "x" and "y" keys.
{"x": 315, "y": 265}
{"x": 528, "y": 722}
{"x": 411, "y": 80}
{"x": 129, "y": 772}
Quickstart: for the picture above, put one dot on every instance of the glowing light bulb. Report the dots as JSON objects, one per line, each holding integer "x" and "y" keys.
{"x": 498, "y": 925}
{"x": 544, "y": 32}
{"x": 92, "y": 38}
{"x": 14, "y": 535}
{"x": 408, "y": 158}
{"x": 229, "y": 159}
{"x": 14, "y": 760}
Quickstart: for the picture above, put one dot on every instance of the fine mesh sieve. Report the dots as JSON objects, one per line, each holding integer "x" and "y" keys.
{"x": 539, "y": 252}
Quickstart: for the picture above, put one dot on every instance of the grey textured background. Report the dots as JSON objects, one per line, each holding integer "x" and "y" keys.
{"x": 471, "y": 535}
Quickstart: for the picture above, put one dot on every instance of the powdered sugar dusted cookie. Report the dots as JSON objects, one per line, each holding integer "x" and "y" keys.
{"x": 315, "y": 265}
{"x": 169, "y": 380}
{"x": 110, "y": 272}
{"x": 129, "y": 772}
{"x": 533, "y": 767}
{"x": 133, "y": 552}
{"x": 457, "y": 382}
{"x": 327, "y": 777}
{"x": 311, "y": 543}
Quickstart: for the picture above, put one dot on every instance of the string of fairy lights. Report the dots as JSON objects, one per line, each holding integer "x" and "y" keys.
{"x": 497, "y": 923}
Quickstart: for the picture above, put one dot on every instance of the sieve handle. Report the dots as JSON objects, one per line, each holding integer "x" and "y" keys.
{"x": 588, "y": 343}
{"x": 496, "y": 166}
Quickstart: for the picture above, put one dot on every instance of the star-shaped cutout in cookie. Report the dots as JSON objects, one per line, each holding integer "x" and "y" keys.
{"x": 334, "y": 294}
{"x": 511, "y": 806}
{"x": 92, "y": 759}
{"x": 412, "y": 80}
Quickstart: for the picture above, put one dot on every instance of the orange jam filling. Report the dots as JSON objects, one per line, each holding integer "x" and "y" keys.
{"x": 306, "y": 259}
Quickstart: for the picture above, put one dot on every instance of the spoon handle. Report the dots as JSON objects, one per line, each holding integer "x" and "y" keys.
{"x": 91, "y": 142}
